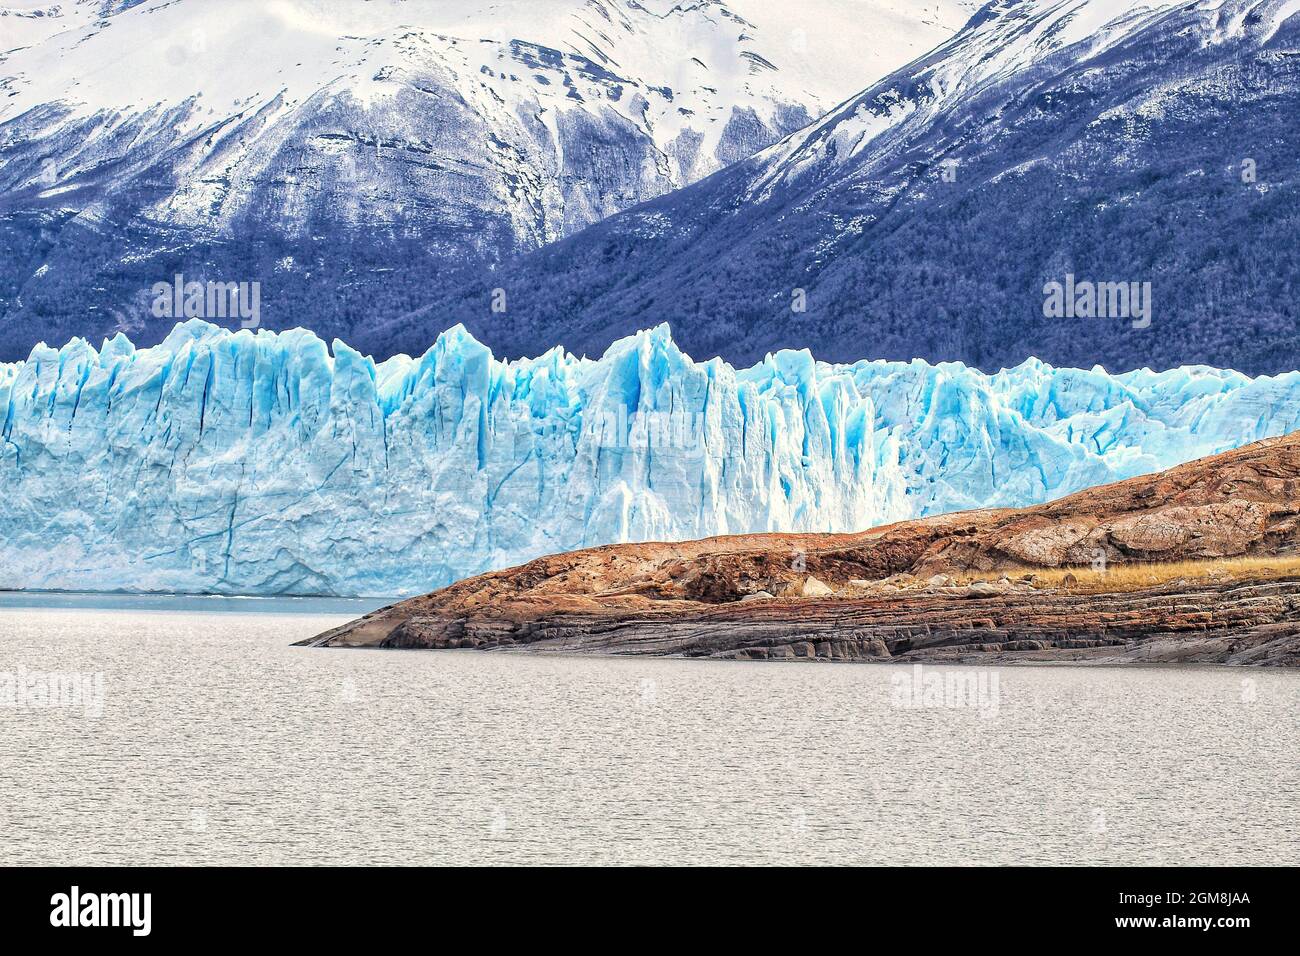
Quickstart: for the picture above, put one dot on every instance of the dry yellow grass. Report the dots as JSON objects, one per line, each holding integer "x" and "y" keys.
{"x": 1135, "y": 577}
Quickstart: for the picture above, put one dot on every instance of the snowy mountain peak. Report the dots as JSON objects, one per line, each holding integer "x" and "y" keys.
{"x": 1143, "y": 146}
{"x": 1007, "y": 39}
{"x": 665, "y": 68}
{"x": 291, "y": 140}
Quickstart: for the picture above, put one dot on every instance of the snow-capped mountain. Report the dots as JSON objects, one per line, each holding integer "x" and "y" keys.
{"x": 342, "y": 153}
{"x": 1050, "y": 140}
{"x": 1011, "y": 47}
{"x": 232, "y": 462}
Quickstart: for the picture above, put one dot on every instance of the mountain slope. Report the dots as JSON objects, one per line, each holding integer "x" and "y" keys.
{"x": 340, "y": 153}
{"x": 1111, "y": 142}
{"x": 239, "y": 463}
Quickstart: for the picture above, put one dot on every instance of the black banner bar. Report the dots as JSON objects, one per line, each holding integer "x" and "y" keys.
{"x": 333, "y": 905}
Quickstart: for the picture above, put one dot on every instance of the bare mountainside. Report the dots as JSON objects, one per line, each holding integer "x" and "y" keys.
{"x": 967, "y": 586}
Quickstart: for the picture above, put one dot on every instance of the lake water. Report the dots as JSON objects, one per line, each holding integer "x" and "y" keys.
{"x": 202, "y": 737}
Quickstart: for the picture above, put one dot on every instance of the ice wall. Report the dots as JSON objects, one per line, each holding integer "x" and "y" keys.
{"x": 265, "y": 463}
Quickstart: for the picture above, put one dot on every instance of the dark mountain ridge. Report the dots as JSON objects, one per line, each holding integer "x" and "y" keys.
{"x": 927, "y": 217}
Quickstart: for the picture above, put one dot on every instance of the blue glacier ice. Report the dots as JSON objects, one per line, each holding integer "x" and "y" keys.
{"x": 271, "y": 463}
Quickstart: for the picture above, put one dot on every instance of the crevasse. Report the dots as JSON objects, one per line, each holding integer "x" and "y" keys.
{"x": 269, "y": 463}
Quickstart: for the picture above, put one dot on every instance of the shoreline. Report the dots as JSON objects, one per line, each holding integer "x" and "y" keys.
{"x": 1022, "y": 663}
{"x": 1240, "y": 623}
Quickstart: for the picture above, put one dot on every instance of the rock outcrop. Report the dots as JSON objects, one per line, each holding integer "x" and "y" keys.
{"x": 891, "y": 593}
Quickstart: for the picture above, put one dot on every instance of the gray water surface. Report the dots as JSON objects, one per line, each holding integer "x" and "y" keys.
{"x": 214, "y": 741}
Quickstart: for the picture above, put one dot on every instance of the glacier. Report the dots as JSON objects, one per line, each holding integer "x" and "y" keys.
{"x": 240, "y": 462}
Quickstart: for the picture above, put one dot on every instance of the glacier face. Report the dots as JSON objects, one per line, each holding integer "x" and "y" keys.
{"x": 269, "y": 463}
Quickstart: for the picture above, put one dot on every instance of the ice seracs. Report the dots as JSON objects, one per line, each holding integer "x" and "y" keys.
{"x": 241, "y": 462}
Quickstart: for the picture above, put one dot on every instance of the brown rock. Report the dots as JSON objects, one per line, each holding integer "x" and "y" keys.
{"x": 696, "y": 598}
{"x": 814, "y": 588}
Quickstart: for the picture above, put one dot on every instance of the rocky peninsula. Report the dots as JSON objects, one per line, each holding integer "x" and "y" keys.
{"x": 1198, "y": 564}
